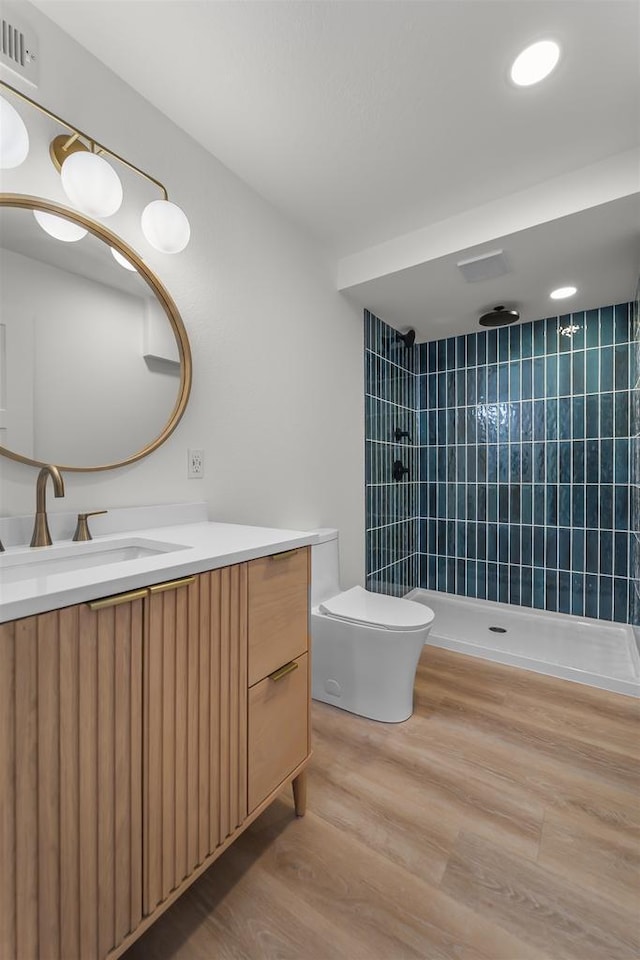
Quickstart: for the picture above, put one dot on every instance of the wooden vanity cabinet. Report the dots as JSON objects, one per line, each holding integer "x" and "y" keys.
{"x": 71, "y": 781}
{"x": 139, "y": 735}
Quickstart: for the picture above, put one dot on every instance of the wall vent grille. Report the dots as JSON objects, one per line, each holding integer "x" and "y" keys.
{"x": 18, "y": 49}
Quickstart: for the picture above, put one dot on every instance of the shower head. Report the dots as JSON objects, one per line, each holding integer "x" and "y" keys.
{"x": 408, "y": 338}
{"x": 498, "y": 317}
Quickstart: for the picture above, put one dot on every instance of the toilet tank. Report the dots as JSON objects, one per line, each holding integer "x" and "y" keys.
{"x": 325, "y": 566}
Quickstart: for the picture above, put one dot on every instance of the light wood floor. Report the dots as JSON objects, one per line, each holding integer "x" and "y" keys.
{"x": 502, "y": 822}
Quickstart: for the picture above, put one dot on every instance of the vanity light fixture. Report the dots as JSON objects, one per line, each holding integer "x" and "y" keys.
{"x": 561, "y": 293}
{"x": 90, "y": 182}
{"x": 535, "y": 63}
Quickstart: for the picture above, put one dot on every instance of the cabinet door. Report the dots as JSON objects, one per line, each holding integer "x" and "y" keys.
{"x": 195, "y": 782}
{"x": 70, "y": 781}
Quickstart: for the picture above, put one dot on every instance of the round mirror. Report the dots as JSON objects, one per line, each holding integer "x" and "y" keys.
{"x": 95, "y": 366}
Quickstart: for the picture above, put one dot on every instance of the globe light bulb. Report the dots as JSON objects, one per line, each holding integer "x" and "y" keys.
{"x": 117, "y": 256}
{"x": 165, "y": 226}
{"x": 58, "y": 227}
{"x": 91, "y": 184}
{"x": 14, "y": 138}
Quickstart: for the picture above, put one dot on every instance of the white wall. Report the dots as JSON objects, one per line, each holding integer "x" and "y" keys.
{"x": 277, "y": 400}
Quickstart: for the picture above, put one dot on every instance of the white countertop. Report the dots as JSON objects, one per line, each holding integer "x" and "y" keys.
{"x": 203, "y": 546}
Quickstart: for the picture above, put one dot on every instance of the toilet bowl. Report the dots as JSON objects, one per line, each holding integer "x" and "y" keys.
{"x": 365, "y": 646}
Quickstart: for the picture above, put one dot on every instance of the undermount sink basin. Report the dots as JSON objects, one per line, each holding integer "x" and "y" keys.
{"x": 39, "y": 562}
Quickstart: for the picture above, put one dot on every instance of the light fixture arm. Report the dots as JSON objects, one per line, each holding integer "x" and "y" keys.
{"x": 76, "y": 134}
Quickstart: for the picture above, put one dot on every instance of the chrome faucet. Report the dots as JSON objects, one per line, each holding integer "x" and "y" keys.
{"x": 41, "y": 536}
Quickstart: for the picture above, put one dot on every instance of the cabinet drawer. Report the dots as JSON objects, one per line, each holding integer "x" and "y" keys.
{"x": 278, "y": 611}
{"x": 278, "y": 730}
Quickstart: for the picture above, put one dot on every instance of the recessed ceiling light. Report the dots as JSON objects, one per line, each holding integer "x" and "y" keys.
{"x": 563, "y": 292}
{"x": 535, "y": 63}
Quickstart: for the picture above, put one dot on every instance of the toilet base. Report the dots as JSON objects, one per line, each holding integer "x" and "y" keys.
{"x": 365, "y": 670}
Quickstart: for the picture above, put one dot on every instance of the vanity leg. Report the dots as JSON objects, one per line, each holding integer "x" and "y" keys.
{"x": 299, "y": 786}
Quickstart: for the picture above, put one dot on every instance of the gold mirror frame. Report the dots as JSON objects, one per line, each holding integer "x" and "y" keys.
{"x": 159, "y": 290}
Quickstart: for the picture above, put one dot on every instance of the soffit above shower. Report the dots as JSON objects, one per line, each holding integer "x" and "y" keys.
{"x": 597, "y": 250}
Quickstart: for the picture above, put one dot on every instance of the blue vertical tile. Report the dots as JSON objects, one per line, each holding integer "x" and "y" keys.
{"x": 577, "y": 594}
{"x": 591, "y": 596}
{"x": 621, "y": 367}
{"x": 606, "y": 551}
{"x": 503, "y": 344}
{"x": 592, "y": 507}
{"x": 577, "y": 549}
{"x": 564, "y": 592}
{"x": 551, "y": 590}
{"x": 526, "y": 384}
{"x": 621, "y": 414}
{"x": 605, "y": 598}
{"x": 606, "y": 506}
{"x": 606, "y": 326}
{"x": 592, "y": 327}
{"x": 538, "y": 589}
{"x": 564, "y": 375}
{"x": 622, "y": 322}
{"x": 492, "y": 346}
{"x": 526, "y": 475}
{"x": 592, "y": 380}
{"x": 606, "y": 461}
{"x": 481, "y": 348}
{"x": 606, "y": 369}
{"x": 621, "y": 508}
{"x": 592, "y": 555}
{"x": 578, "y": 380}
{"x": 620, "y": 600}
{"x": 471, "y": 349}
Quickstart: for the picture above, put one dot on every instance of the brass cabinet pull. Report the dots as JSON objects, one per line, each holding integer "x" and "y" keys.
{"x": 283, "y": 671}
{"x": 171, "y": 585}
{"x": 119, "y": 598}
{"x": 283, "y": 556}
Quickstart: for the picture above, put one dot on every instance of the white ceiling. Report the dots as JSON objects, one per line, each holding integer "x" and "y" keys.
{"x": 366, "y": 120}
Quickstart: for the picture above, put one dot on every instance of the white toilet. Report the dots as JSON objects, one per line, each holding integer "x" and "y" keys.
{"x": 365, "y": 646}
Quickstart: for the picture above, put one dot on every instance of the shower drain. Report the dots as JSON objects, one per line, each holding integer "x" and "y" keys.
{"x": 498, "y": 629}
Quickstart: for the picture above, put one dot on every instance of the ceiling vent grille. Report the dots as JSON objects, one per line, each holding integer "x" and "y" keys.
{"x": 487, "y": 266}
{"x": 18, "y": 49}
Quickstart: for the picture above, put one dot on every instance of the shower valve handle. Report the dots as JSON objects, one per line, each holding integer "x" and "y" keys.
{"x": 398, "y": 434}
{"x": 399, "y": 470}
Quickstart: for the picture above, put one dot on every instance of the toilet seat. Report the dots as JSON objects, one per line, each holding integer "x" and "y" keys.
{"x": 377, "y": 610}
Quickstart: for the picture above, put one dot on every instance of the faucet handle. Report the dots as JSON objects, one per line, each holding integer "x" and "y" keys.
{"x": 82, "y": 527}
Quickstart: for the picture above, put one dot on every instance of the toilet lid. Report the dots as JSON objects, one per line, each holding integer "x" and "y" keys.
{"x": 376, "y": 609}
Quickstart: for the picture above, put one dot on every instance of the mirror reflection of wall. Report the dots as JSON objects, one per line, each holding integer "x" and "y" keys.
{"x": 82, "y": 383}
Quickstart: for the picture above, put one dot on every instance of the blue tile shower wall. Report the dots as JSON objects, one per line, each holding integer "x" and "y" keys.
{"x": 635, "y": 462}
{"x": 392, "y": 381}
{"x": 525, "y": 457}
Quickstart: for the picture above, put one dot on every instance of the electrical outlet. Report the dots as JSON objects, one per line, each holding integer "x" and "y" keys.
{"x": 195, "y": 464}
